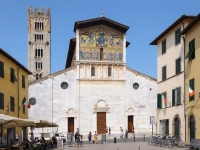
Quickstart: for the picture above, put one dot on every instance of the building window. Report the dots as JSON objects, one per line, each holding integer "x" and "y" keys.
{"x": 93, "y": 71}
{"x": 64, "y": 85}
{"x": 164, "y": 98}
{"x": 164, "y": 46}
{"x": 41, "y": 52}
{"x": 41, "y": 65}
{"x": 1, "y": 69}
{"x": 192, "y": 49}
{"x": 164, "y": 69}
{"x": 1, "y": 101}
{"x": 109, "y": 71}
{"x": 36, "y": 65}
{"x": 191, "y": 82}
{"x": 23, "y": 81}
{"x": 35, "y": 52}
{"x": 38, "y": 52}
{"x": 176, "y": 96}
{"x": 23, "y": 109}
{"x": 178, "y": 65}
{"x": 135, "y": 86}
{"x": 177, "y": 36}
{"x": 36, "y": 76}
{"x": 164, "y": 126}
{"x": 12, "y": 75}
{"x": 12, "y": 104}
{"x": 101, "y": 53}
{"x": 159, "y": 101}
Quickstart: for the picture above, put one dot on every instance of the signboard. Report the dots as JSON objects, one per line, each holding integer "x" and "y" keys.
{"x": 59, "y": 143}
{"x": 152, "y": 119}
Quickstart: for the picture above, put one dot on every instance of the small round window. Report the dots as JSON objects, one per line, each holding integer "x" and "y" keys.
{"x": 64, "y": 85}
{"x": 136, "y": 86}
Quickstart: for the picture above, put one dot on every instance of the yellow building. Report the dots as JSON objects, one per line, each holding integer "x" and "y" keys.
{"x": 192, "y": 78}
{"x": 13, "y": 89}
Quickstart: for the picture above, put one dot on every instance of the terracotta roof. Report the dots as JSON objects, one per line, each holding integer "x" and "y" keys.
{"x": 14, "y": 60}
{"x": 179, "y": 20}
{"x": 100, "y": 21}
{"x": 141, "y": 74}
{"x": 191, "y": 24}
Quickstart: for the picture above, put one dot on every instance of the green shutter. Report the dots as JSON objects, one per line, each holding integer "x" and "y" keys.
{"x": 23, "y": 81}
{"x": 164, "y": 73}
{"x": 159, "y": 101}
{"x": 1, "y": 69}
{"x": 164, "y": 46}
{"x": 1, "y": 101}
{"x": 178, "y": 95}
{"x": 173, "y": 97}
{"x": 178, "y": 65}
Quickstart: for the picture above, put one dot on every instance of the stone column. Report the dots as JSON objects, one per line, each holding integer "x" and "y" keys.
{"x": 112, "y": 72}
{"x": 90, "y": 70}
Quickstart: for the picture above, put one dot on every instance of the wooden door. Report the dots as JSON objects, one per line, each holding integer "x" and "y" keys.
{"x": 101, "y": 122}
{"x": 71, "y": 124}
{"x": 192, "y": 128}
{"x": 130, "y": 123}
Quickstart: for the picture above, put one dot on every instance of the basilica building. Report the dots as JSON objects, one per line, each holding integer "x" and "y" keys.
{"x": 95, "y": 90}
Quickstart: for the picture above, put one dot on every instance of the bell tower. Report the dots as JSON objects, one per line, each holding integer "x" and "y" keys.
{"x": 39, "y": 43}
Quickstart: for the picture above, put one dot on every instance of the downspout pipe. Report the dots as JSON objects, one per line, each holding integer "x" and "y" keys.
{"x": 183, "y": 37}
{"x": 18, "y": 91}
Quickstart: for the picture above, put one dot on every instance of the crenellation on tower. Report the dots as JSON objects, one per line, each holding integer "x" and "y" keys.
{"x": 39, "y": 42}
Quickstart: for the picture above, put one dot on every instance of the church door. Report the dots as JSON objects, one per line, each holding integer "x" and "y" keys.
{"x": 101, "y": 122}
{"x": 71, "y": 124}
{"x": 130, "y": 123}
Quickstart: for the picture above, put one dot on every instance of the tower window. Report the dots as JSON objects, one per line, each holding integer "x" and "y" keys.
{"x": 101, "y": 53}
{"x": 42, "y": 26}
{"x": 35, "y": 52}
{"x": 35, "y": 65}
{"x": 36, "y": 76}
{"x": 109, "y": 71}
{"x": 41, "y": 65}
{"x": 38, "y": 52}
{"x": 41, "y": 52}
{"x": 93, "y": 71}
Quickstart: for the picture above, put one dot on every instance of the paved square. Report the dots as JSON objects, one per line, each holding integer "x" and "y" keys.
{"x": 121, "y": 146}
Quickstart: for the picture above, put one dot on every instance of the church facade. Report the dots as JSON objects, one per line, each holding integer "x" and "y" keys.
{"x": 96, "y": 90}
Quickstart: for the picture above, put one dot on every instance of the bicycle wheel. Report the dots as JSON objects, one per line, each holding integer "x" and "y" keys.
{"x": 171, "y": 145}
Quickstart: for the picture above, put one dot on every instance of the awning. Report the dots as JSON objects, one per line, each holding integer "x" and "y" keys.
{"x": 11, "y": 122}
{"x": 42, "y": 123}
{"x": 189, "y": 53}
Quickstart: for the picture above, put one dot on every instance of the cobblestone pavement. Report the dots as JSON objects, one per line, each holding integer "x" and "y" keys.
{"x": 121, "y": 146}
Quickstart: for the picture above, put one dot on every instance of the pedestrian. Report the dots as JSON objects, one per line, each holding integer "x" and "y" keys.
{"x": 95, "y": 137}
{"x": 81, "y": 140}
{"x": 109, "y": 130}
{"x": 126, "y": 134}
{"x": 89, "y": 137}
{"x": 133, "y": 131}
{"x": 76, "y": 140}
{"x": 121, "y": 135}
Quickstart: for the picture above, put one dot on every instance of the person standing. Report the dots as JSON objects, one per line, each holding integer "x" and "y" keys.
{"x": 95, "y": 137}
{"x": 133, "y": 131}
{"x": 89, "y": 137}
{"x": 76, "y": 136}
{"x": 81, "y": 140}
{"x": 121, "y": 135}
{"x": 109, "y": 130}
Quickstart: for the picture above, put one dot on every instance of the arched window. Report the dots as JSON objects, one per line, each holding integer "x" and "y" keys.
{"x": 192, "y": 127}
{"x": 109, "y": 71}
{"x": 41, "y": 52}
{"x": 36, "y": 65}
{"x": 38, "y": 52}
{"x": 42, "y": 26}
{"x": 36, "y": 76}
{"x": 176, "y": 126}
{"x": 35, "y": 52}
{"x": 35, "y": 37}
{"x": 41, "y": 65}
{"x": 101, "y": 53}
{"x": 40, "y": 75}
{"x": 92, "y": 71}
{"x": 37, "y": 26}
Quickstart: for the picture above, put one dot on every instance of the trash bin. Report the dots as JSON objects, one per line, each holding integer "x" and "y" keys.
{"x": 115, "y": 140}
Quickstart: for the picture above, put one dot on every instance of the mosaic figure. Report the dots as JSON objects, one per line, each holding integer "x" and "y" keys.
{"x": 90, "y": 39}
{"x": 111, "y": 40}
{"x": 101, "y": 39}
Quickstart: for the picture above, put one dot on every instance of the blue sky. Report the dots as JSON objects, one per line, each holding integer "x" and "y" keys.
{"x": 146, "y": 19}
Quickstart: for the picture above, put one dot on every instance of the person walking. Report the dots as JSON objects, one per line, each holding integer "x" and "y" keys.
{"x": 76, "y": 136}
{"x": 95, "y": 137}
{"x": 109, "y": 130}
{"x": 89, "y": 137}
{"x": 133, "y": 131}
{"x": 121, "y": 135}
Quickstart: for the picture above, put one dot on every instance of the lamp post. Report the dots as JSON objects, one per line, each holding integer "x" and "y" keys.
{"x": 52, "y": 99}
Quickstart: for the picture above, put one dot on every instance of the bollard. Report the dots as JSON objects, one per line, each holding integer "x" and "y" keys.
{"x": 134, "y": 138}
{"x": 139, "y": 147}
{"x": 144, "y": 137}
{"x": 115, "y": 140}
